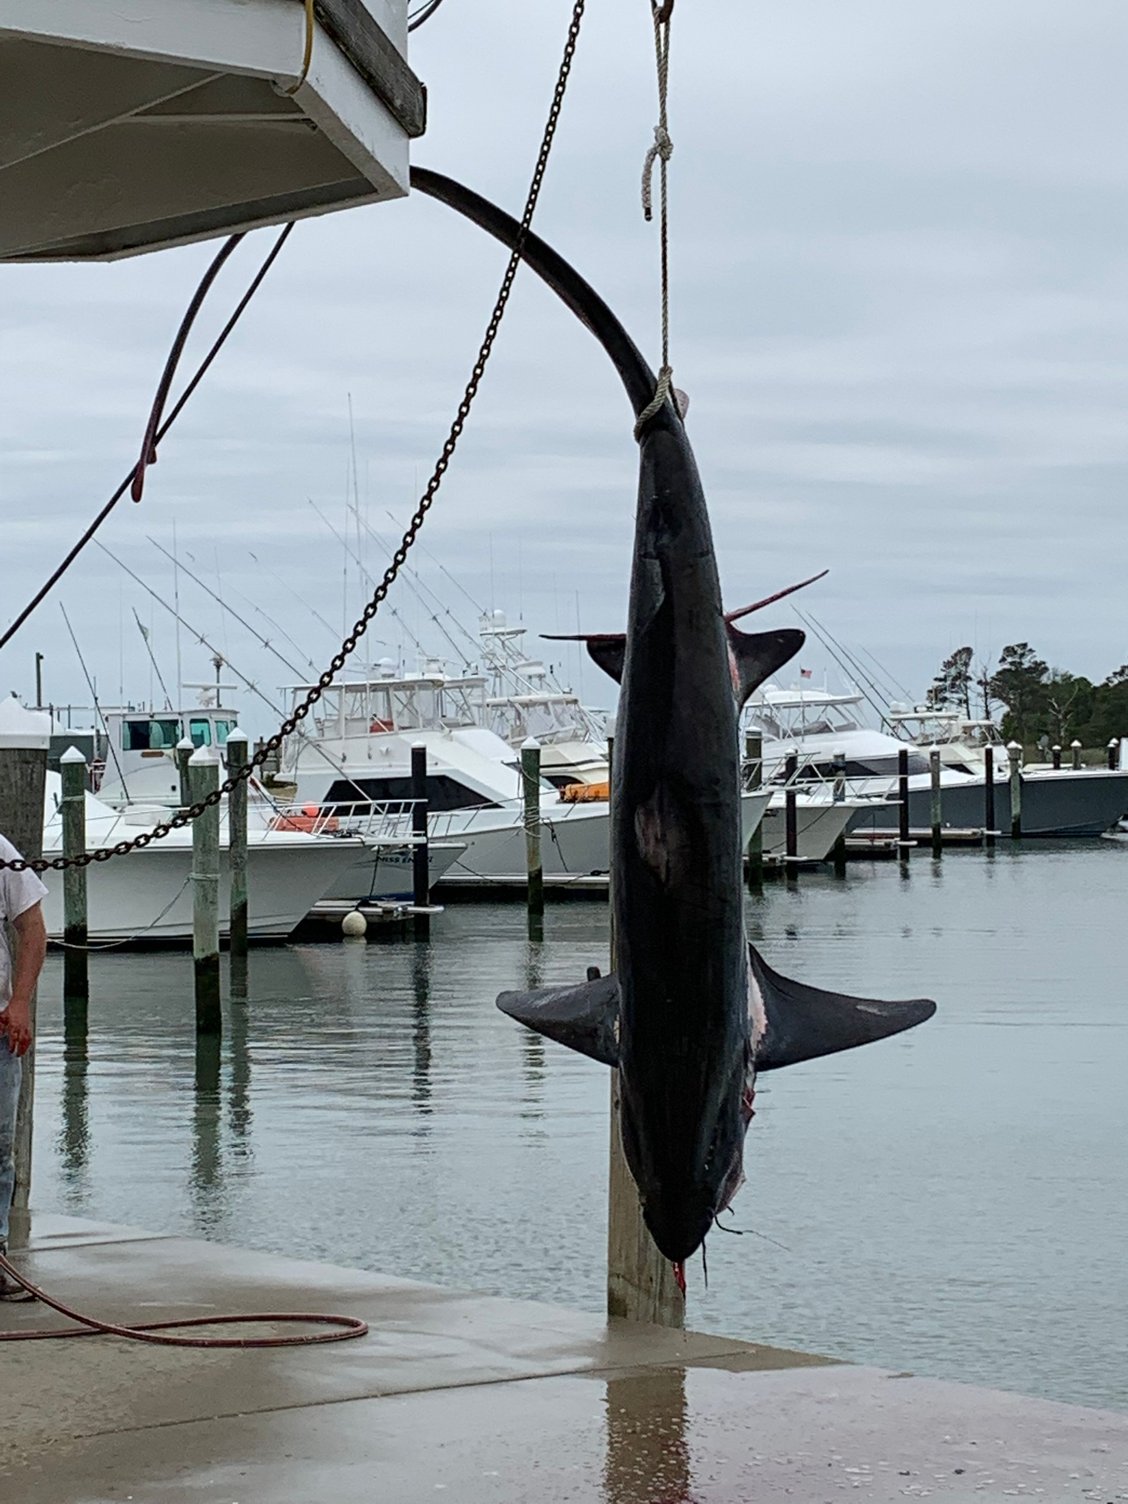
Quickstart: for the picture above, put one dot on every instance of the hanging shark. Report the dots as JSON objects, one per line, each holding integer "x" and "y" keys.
{"x": 692, "y": 1011}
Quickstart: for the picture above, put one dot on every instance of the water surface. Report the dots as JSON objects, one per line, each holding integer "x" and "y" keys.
{"x": 954, "y": 1201}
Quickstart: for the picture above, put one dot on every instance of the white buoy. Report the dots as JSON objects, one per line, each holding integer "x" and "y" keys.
{"x": 354, "y": 926}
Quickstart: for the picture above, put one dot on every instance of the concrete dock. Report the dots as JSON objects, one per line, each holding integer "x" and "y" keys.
{"x": 481, "y": 1401}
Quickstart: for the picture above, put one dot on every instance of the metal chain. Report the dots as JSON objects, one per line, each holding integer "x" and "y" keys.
{"x": 290, "y": 724}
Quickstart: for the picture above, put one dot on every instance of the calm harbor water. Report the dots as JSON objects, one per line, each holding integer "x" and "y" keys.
{"x": 954, "y": 1201}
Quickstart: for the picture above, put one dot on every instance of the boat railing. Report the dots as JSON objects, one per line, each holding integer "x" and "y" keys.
{"x": 390, "y": 820}
{"x": 828, "y": 785}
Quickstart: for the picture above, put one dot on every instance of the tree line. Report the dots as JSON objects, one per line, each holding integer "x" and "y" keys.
{"x": 1036, "y": 701}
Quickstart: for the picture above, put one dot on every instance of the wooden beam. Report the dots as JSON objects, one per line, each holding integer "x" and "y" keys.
{"x": 378, "y": 61}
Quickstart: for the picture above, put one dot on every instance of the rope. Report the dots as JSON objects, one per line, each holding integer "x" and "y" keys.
{"x": 307, "y": 55}
{"x": 182, "y": 401}
{"x": 442, "y": 464}
{"x": 129, "y": 939}
{"x": 661, "y": 152}
{"x": 341, "y": 1328}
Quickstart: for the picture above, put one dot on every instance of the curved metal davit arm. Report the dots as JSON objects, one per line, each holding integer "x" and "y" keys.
{"x": 568, "y": 285}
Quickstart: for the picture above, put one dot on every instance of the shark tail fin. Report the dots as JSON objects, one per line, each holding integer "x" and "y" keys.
{"x": 755, "y": 656}
{"x": 585, "y": 1017}
{"x": 805, "y": 1022}
{"x": 608, "y": 649}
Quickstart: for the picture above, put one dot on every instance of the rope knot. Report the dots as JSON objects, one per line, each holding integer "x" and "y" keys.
{"x": 664, "y": 148}
{"x": 661, "y": 391}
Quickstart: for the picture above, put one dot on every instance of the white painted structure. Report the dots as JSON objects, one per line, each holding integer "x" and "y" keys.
{"x": 128, "y": 125}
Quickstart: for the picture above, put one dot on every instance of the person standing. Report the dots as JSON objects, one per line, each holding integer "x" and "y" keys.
{"x": 21, "y": 899}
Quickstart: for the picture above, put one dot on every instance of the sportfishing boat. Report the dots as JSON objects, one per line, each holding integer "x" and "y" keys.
{"x": 357, "y": 754}
{"x": 825, "y": 729}
{"x": 132, "y": 753}
{"x": 145, "y": 898}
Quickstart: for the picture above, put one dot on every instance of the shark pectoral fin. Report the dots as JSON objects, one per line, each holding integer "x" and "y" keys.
{"x": 608, "y": 649}
{"x": 757, "y": 655}
{"x": 805, "y": 1022}
{"x": 584, "y": 1017}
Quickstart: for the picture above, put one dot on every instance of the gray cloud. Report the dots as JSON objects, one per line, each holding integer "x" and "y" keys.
{"x": 899, "y": 278}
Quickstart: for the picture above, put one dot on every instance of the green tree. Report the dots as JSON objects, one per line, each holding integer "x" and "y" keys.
{"x": 1021, "y": 683}
{"x": 952, "y": 685}
{"x": 1069, "y": 700}
{"x": 1108, "y": 715}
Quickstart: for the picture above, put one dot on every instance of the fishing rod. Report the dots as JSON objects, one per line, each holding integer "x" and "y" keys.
{"x": 301, "y": 600}
{"x": 343, "y": 541}
{"x": 277, "y": 625}
{"x": 243, "y": 622}
{"x": 94, "y": 695}
{"x": 248, "y": 683}
{"x": 809, "y": 621}
{"x": 152, "y": 657}
{"x": 866, "y": 677}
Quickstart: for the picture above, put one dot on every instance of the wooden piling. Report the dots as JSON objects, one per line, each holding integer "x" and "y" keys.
{"x": 640, "y": 1282}
{"x": 903, "y": 808}
{"x": 1113, "y": 754}
{"x": 531, "y": 785}
{"x": 935, "y": 811}
{"x": 1014, "y": 753}
{"x": 1055, "y": 755}
{"x": 989, "y": 795}
{"x": 24, "y": 738}
{"x": 791, "y": 814}
{"x": 184, "y": 750}
{"x": 203, "y": 778}
{"x": 76, "y": 956}
{"x": 838, "y": 762}
{"x": 1075, "y": 748}
{"x": 237, "y": 751}
{"x": 420, "y": 856}
{"x": 753, "y": 781}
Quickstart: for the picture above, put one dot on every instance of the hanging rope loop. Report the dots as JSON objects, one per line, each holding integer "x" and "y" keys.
{"x": 661, "y": 152}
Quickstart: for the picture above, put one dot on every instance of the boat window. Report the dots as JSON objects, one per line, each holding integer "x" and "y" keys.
{"x": 223, "y": 730}
{"x": 443, "y": 792}
{"x": 200, "y": 731}
{"x": 150, "y": 735}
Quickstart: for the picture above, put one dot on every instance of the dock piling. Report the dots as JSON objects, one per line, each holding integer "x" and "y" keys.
{"x": 754, "y": 781}
{"x": 791, "y": 814}
{"x": 1014, "y": 752}
{"x": 989, "y": 795}
{"x": 420, "y": 855}
{"x": 935, "y": 812}
{"x": 203, "y": 779}
{"x": 184, "y": 749}
{"x": 640, "y": 1282}
{"x": 838, "y": 762}
{"x": 1113, "y": 754}
{"x": 237, "y": 749}
{"x": 76, "y": 956}
{"x": 1055, "y": 754}
{"x": 1075, "y": 748}
{"x": 903, "y": 840}
{"x": 25, "y": 736}
{"x": 530, "y": 780}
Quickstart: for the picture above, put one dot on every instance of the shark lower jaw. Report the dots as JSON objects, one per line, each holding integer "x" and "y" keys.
{"x": 678, "y": 1232}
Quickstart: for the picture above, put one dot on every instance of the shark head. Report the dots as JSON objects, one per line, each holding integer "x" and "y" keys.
{"x": 682, "y": 1194}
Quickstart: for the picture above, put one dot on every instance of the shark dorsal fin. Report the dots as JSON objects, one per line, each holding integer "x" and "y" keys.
{"x": 803, "y": 1022}
{"x": 755, "y": 656}
{"x": 608, "y": 649}
{"x": 584, "y": 1017}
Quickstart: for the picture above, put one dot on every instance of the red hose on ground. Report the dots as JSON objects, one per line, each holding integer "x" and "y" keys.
{"x": 342, "y": 1327}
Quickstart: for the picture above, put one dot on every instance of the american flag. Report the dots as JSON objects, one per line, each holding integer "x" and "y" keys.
{"x": 805, "y": 673}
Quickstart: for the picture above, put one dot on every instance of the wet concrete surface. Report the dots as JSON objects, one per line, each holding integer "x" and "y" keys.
{"x": 469, "y": 1398}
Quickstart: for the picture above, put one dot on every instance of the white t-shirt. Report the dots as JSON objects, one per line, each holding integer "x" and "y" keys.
{"x": 18, "y": 892}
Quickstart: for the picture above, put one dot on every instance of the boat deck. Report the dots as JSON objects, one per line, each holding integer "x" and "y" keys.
{"x": 483, "y": 1401}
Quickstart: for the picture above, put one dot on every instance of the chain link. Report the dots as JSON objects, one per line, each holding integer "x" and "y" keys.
{"x": 399, "y": 558}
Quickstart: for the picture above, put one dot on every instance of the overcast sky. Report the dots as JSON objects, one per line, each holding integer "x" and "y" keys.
{"x": 899, "y": 261}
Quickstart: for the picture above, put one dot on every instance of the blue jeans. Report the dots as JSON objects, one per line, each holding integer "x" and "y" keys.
{"x": 10, "y": 1072}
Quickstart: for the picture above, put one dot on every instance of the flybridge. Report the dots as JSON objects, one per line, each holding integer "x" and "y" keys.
{"x": 129, "y": 125}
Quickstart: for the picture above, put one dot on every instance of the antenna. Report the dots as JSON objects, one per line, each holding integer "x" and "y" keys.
{"x": 94, "y": 696}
